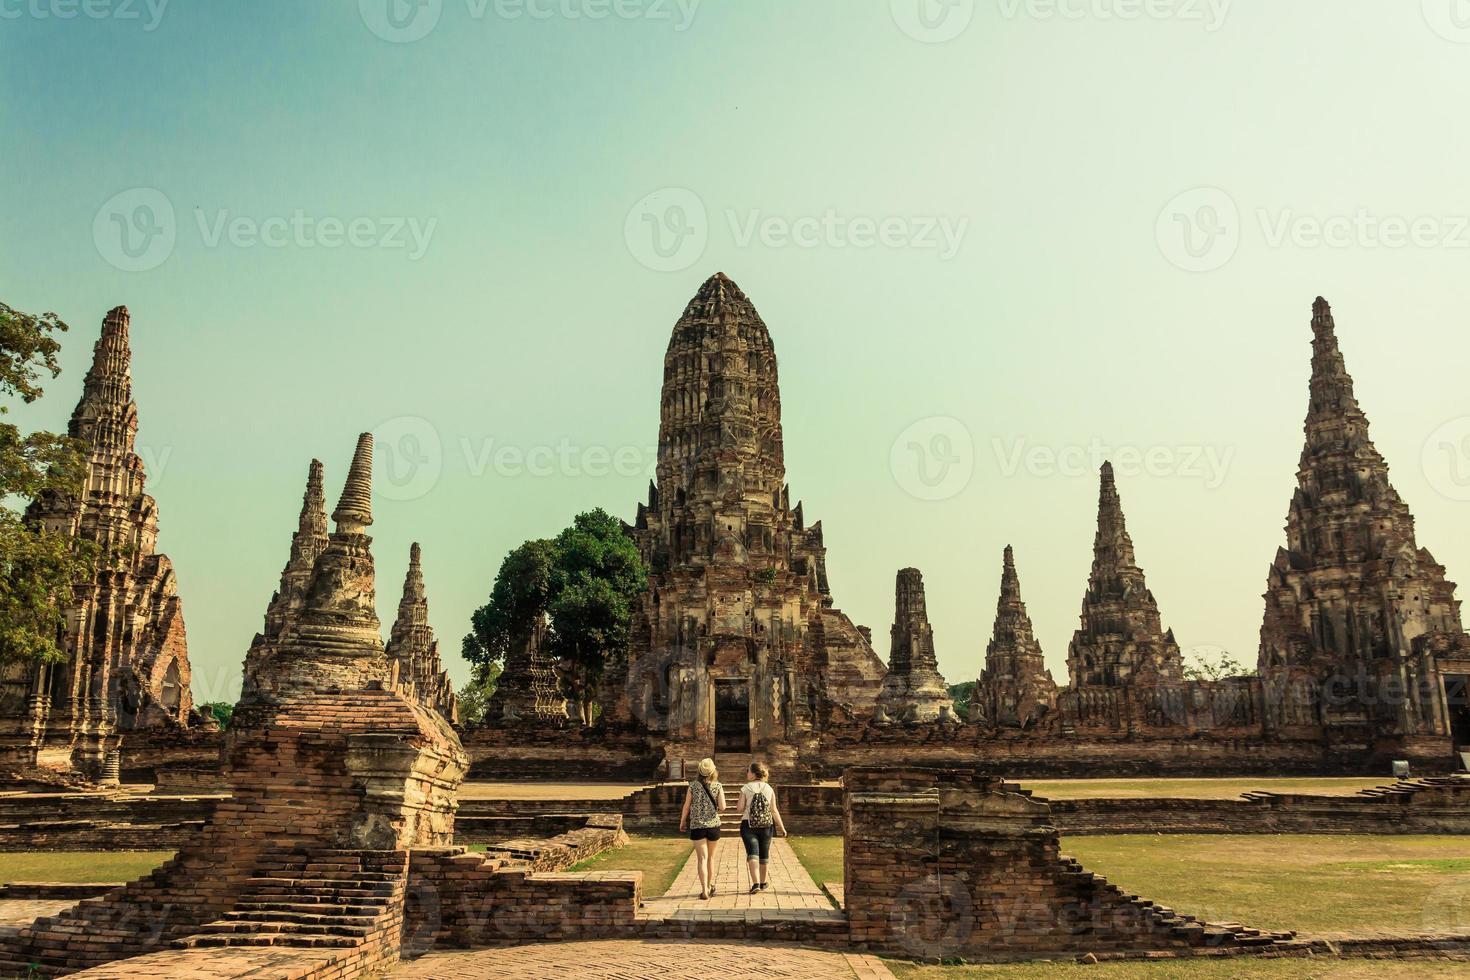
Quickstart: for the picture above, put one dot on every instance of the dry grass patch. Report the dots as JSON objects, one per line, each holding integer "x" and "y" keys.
{"x": 1310, "y": 883}
{"x": 80, "y": 866}
{"x": 659, "y": 858}
{"x": 1204, "y": 969}
{"x": 1196, "y": 789}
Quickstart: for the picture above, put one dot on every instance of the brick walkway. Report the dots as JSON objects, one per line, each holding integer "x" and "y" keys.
{"x": 24, "y": 911}
{"x": 790, "y": 885}
{"x": 642, "y": 960}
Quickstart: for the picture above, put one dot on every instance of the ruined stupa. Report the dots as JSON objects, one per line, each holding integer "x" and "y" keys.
{"x": 528, "y": 688}
{"x": 1121, "y": 642}
{"x": 1360, "y": 621}
{"x": 127, "y": 664}
{"x": 913, "y": 689}
{"x": 307, "y": 543}
{"x": 412, "y": 650}
{"x": 335, "y": 777}
{"x": 1015, "y": 689}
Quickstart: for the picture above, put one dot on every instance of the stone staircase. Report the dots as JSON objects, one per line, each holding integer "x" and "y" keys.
{"x": 1185, "y": 928}
{"x": 319, "y": 898}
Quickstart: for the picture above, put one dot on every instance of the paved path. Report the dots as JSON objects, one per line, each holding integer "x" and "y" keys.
{"x": 641, "y": 960}
{"x": 790, "y": 885}
{"x": 24, "y": 911}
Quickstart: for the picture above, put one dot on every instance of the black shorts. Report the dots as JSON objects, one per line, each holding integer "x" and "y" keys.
{"x": 705, "y": 833}
{"x": 757, "y": 840}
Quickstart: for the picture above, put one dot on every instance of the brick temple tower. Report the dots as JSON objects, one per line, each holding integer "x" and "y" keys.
{"x": 739, "y": 648}
{"x": 412, "y": 649}
{"x": 1362, "y": 633}
{"x": 1015, "y": 688}
{"x": 1121, "y": 642}
{"x": 913, "y": 690}
{"x": 128, "y": 658}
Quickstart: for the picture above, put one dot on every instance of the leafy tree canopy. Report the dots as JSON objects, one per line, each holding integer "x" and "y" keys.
{"x": 40, "y": 568}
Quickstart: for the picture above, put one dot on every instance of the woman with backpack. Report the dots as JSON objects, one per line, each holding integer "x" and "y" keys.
{"x": 759, "y": 819}
{"x": 701, "y": 818}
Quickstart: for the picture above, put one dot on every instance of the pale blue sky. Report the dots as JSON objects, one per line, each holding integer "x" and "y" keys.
{"x": 527, "y": 151}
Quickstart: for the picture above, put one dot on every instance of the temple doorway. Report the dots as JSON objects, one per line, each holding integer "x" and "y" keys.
{"x": 1457, "y": 698}
{"x": 732, "y": 716}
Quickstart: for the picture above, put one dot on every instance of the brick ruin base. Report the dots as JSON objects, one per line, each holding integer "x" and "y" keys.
{"x": 945, "y": 863}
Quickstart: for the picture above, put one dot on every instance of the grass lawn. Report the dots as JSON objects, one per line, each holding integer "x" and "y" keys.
{"x": 659, "y": 858}
{"x": 821, "y": 856}
{"x": 1196, "y": 789}
{"x": 1293, "y": 969}
{"x": 80, "y": 866}
{"x": 1309, "y": 883}
{"x": 1329, "y": 883}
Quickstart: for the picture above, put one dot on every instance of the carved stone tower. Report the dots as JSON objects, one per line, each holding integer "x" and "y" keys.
{"x": 412, "y": 650}
{"x": 1360, "y": 621}
{"x": 1015, "y": 688}
{"x": 739, "y": 647}
{"x": 1121, "y": 642}
{"x": 913, "y": 690}
{"x": 128, "y": 657}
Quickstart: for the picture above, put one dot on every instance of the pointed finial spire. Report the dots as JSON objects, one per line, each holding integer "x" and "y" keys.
{"x": 355, "y": 508}
{"x": 314, "y": 500}
{"x": 1010, "y": 582}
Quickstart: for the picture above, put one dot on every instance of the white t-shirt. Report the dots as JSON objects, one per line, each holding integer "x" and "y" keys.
{"x": 748, "y": 792}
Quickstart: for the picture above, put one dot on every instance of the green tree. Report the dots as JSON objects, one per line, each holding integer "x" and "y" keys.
{"x": 222, "y": 711}
{"x": 40, "y": 568}
{"x": 474, "y": 697}
{"x": 962, "y": 694}
{"x": 597, "y": 576}
{"x": 519, "y": 598}
{"x": 1213, "y": 667}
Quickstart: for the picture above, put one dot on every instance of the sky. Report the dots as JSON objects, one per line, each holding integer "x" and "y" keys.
{"x": 995, "y": 242}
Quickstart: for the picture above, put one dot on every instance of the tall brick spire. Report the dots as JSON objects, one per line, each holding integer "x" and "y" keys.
{"x": 336, "y": 642}
{"x": 1121, "y": 640}
{"x": 1015, "y": 688}
{"x": 126, "y": 627}
{"x": 307, "y": 543}
{"x": 412, "y": 647}
{"x": 106, "y": 417}
{"x": 1352, "y": 601}
{"x": 913, "y": 690}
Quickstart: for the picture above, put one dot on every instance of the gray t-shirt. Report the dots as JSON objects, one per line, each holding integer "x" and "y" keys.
{"x": 702, "y": 811}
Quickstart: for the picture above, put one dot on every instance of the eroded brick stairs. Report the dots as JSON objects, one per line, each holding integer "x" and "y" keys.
{"x": 321, "y": 898}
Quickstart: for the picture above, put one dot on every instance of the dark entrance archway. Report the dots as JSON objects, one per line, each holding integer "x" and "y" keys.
{"x": 1457, "y": 698}
{"x": 732, "y": 716}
